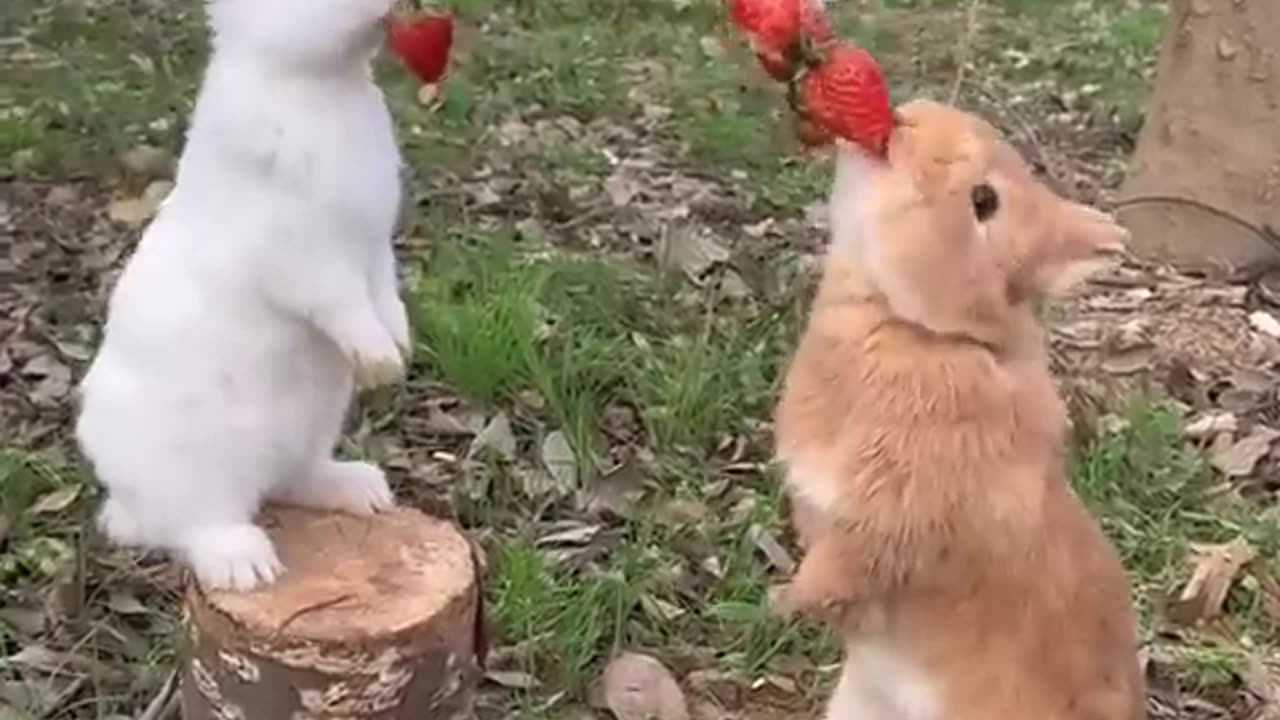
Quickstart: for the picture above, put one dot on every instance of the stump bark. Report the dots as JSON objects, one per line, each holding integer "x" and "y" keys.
{"x": 1203, "y": 190}
{"x": 375, "y": 617}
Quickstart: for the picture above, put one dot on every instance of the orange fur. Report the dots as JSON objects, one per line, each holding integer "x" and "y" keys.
{"x": 924, "y": 443}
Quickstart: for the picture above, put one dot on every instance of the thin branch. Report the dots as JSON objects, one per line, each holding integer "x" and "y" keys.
{"x": 966, "y": 47}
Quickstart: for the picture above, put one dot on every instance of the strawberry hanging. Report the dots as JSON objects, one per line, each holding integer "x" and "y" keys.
{"x": 836, "y": 89}
{"x": 785, "y": 34}
{"x": 422, "y": 43}
{"x": 771, "y": 26}
{"x": 847, "y": 97}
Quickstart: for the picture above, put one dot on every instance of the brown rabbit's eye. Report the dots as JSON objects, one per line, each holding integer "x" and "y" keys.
{"x": 985, "y": 201}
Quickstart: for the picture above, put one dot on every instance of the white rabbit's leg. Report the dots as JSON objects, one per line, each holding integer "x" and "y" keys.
{"x": 326, "y": 285}
{"x": 230, "y": 557}
{"x": 349, "y": 486}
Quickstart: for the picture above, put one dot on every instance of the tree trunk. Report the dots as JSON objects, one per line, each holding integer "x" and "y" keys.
{"x": 374, "y": 617}
{"x": 1203, "y": 191}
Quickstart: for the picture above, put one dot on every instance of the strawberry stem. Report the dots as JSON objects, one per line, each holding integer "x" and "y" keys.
{"x": 793, "y": 96}
{"x": 810, "y": 54}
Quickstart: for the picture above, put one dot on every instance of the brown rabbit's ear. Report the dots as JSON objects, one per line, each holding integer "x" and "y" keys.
{"x": 1085, "y": 242}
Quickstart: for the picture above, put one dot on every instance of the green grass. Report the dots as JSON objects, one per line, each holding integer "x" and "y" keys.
{"x": 583, "y": 332}
{"x": 1155, "y": 497}
{"x": 37, "y": 514}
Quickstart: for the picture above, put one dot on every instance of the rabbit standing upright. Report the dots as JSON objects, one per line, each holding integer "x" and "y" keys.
{"x": 923, "y": 440}
{"x": 262, "y": 292}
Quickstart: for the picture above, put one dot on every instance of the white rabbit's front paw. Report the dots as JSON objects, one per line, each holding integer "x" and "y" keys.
{"x": 377, "y": 370}
{"x": 400, "y": 331}
{"x": 232, "y": 557}
{"x": 396, "y": 318}
{"x": 354, "y": 487}
{"x": 374, "y": 354}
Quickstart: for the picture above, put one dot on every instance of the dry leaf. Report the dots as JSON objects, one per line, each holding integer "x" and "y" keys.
{"x": 692, "y": 251}
{"x": 1210, "y": 424}
{"x": 55, "y": 501}
{"x": 660, "y": 609}
{"x": 616, "y": 492}
{"x": 1265, "y": 323}
{"x": 125, "y": 603}
{"x": 575, "y": 534}
{"x": 1239, "y": 459}
{"x": 512, "y": 679}
{"x": 1128, "y": 362}
{"x": 1216, "y": 567}
{"x": 53, "y": 380}
{"x": 558, "y": 458}
{"x": 768, "y": 544}
{"x": 496, "y": 436}
{"x": 639, "y": 687}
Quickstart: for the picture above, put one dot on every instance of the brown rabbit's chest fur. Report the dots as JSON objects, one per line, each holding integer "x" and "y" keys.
{"x": 928, "y": 485}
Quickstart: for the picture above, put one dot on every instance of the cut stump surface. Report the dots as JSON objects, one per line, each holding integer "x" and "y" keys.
{"x": 374, "y": 617}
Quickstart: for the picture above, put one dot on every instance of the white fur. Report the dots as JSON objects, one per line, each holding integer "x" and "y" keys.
{"x": 264, "y": 289}
{"x": 849, "y": 189}
{"x": 818, "y": 488}
{"x": 877, "y": 683}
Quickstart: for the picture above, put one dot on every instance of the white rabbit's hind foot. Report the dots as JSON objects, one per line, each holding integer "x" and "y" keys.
{"x": 231, "y": 557}
{"x": 355, "y": 487}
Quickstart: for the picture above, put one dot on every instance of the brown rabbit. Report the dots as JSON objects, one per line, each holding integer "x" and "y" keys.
{"x": 923, "y": 440}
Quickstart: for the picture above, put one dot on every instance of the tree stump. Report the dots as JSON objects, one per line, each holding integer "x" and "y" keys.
{"x": 374, "y": 617}
{"x": 1203, "y": 191}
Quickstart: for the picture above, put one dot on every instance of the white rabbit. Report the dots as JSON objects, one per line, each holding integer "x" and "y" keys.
{"x": 264, "y": 289}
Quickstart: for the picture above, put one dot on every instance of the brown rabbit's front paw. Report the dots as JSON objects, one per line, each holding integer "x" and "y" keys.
{"x": 789, "y": 600}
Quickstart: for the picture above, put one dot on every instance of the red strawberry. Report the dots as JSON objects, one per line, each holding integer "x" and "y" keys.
{"x": 771, "y": 25}
{"x": 422, "y": 44}
{"x": 847, "y": 96}
{"x": 784, "y": 33}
